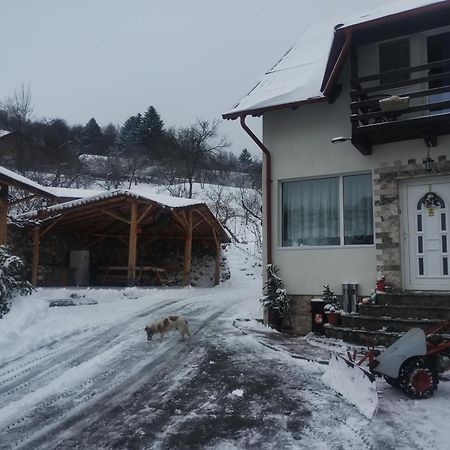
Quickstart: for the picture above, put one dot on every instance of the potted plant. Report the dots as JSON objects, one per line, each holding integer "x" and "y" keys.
{"x": 275, "y": 299}
{"x": 332, "y": 306}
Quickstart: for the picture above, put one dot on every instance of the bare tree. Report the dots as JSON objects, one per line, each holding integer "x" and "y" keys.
{"x": 19, "y": 107}
{"x": 220, "y": 202}
{"x": 194, "y": 145}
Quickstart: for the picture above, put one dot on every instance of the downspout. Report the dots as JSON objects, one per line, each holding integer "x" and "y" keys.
{"x": 268, "y": 186}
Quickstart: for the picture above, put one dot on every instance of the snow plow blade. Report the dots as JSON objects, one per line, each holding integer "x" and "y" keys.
{"x": 353, "y": 383}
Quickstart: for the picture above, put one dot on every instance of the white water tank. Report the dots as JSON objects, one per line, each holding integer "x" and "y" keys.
{"x": 79, "y": 261}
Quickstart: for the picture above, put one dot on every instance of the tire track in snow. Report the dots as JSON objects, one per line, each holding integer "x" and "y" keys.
{"x": 64, "y": 356}
{"x": 59, "y": 417}
{"x": 89, "y": 392}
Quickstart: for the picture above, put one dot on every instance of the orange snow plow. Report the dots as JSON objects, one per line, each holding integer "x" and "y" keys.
{"x": 413, "y": 364}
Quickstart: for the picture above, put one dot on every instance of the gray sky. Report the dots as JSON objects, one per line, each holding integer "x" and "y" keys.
{"x": 110, "y": 59}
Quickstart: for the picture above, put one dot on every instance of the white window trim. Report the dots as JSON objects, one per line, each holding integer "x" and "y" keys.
{"x": 341, "y": 214}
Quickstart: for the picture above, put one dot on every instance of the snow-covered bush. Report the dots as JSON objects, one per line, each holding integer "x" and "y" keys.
{"x": 332, "y": 303}
{"x": 11, "y": 282}
{"x": 275, "y": 294}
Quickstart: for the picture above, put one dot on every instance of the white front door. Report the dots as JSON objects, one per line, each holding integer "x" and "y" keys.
{"x": 426, "y": 234}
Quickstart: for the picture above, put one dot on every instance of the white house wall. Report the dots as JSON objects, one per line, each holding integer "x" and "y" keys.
{"x": 300, "y": 144}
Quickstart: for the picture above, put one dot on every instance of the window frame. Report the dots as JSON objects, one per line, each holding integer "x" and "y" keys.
{"x": 341, "y": 245}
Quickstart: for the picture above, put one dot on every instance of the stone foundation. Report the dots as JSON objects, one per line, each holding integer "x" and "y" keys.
{"x": 299, "y": 321}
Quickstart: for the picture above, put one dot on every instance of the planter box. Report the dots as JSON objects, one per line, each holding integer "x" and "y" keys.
{"x": 394, "y": 103}
{"x": 334, "y": 318}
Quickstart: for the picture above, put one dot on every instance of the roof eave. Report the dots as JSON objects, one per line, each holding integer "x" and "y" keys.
{"x": 256, "y": 112}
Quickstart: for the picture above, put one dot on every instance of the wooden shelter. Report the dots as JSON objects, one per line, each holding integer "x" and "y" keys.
{"x": 132, "y": 219}
{"x": 8, "y": 179}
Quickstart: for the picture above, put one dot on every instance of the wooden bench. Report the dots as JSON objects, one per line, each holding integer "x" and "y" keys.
{"x": 145, "y": 275}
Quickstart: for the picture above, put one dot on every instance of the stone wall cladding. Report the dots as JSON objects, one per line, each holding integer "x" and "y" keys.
{"x": 386, "y": 180}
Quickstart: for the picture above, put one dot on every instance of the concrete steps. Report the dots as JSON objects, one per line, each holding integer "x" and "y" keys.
{"x": 405, "y": 311}
{"x": 361, "y": 337}
{"x": 417, "y": 298}
{"x": 394, "y": 314}
{"x": 391, "y": 324}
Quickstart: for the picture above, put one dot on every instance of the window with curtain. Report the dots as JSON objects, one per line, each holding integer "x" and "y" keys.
{"x": 312, "y": 210}
{"x": 358, "y": 210}
{"x": 394, "y": 55}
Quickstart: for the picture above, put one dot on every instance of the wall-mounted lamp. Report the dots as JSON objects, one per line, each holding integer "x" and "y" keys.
{"x": 339, "y": 139}
{"x": 428, "y": 162}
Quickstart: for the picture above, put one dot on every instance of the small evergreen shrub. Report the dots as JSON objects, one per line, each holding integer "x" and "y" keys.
{"x": 275, "y": 294}
{"x": 11, "y": 282}
{"x": 332, "y": 303}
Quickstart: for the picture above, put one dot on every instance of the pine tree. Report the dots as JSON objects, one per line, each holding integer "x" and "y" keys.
{"x": 91, "y": 131}
{"x": 245, "y": 159}
{"x": 131, "y": 133}
{"x": 275, "y": 294}
{"x": 11, "y": 282}
{"x": 152, "y": 124}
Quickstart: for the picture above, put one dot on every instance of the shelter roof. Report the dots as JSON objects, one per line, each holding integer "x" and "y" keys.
{"x": 108, "y": 213}
{"x": 14, "y": 179}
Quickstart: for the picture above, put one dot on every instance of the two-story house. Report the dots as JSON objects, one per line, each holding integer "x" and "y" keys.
{"x": 356, "y": 142}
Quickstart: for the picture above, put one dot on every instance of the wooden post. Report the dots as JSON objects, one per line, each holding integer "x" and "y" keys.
{"x": 132, "y": 246}
{"x": 3, "y": 213}
{"x": 188, "y": 250}
{"x": 35, "y": 260}
{"x": 218, "y": 255}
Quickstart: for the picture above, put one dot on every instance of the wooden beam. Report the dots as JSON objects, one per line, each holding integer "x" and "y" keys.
{"x": 35, "y": 259}
{"x": 145, "y": 213}
{"x": 116, "y": 216}
{"x": 3, "y": 213}
{"x": 187, "y": 249}
{"x": 96, "y": 241}
{"x": 132, "y": 245}
{"x": 217, "y": 259}
{"x": 181, "y": 220}
{"x": 46, "y": 230}
{"x": 211, "y": 223}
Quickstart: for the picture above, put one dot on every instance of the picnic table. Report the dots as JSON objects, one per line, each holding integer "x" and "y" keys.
{"x": 145, "y": 275}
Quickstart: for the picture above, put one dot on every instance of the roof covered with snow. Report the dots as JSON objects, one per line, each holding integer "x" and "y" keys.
{"x": 298, "y": 77}
{"x": 4, "y": 133}
{"x": 10, "y": 177}
{"x": 163, "y": 200}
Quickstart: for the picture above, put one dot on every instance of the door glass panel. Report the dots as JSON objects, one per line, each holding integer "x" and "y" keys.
{"x": 420, "y": 266}
{"x": 420, "y": 244}
{"x": 443, "y": 222}
{"x": 444, "y": 244}
{"x": 419, "y": 222}
{"x": 445, "y": 265}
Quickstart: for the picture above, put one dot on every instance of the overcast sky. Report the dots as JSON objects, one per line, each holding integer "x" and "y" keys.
{"x": 111, "y": 59}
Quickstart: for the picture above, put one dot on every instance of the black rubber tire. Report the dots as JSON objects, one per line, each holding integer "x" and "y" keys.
{"x": 417, "y": 379}
{"x": 394, "y": 382}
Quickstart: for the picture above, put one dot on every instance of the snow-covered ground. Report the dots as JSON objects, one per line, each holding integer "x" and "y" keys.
{"x": 85, "y": 377}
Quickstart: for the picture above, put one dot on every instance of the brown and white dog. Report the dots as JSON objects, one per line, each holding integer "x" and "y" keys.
{"x": 165, "y": 325}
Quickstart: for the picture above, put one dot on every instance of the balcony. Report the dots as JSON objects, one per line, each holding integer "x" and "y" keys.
{"x": 399, "y": 105}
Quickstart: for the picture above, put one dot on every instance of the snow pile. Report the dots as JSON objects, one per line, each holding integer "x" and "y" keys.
{"x": 354, "y": 386}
